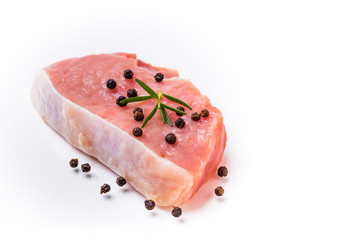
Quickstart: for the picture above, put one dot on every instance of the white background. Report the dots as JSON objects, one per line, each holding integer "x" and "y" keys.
{"x": 285, "y": 74}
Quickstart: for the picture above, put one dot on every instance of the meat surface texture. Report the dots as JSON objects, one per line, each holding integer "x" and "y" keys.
{"x": 71, "y": 96}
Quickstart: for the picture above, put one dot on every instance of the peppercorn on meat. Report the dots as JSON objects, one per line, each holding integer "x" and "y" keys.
{"x": 78, "y": 98}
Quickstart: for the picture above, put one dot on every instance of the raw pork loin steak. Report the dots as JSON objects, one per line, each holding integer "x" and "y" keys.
{"x": 72, "y": 97}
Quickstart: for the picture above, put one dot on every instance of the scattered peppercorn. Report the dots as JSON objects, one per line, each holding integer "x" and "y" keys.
{"x": 181, "y": 109}
{"x": 222, "y": 171}
{"x": 74, "y": 162}
{"x": 131, "y": 93}
{"x": 195, "y": 116}
{"x": 118, "y": 100}
{"x": 219, "y": 191}
{"x": 204, "y": 113}
{"x": 180, "y": 123}
{"x": 159, "y": 77}
{"x": 149, "y": 204}
{"x": 170, "y": 138}
{"x": 85, "y": 167}
{"x": 176, "y": 212}
{"x": 128, "y": 74}
{"x": 111, "y": 84}
{"x": 139, "y": 116}
{"x": 138, "y": 132}
{"x": 105, "y": 188}
{"x": 138, "y": 109}
{"x": 121, "y": 181}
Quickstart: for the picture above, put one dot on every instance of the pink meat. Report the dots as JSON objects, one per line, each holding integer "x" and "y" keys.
{"x": 72, "y": 97}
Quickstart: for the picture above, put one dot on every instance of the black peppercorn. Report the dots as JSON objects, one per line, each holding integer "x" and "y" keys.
{"x": 138, "y": 109}
{"x": 139, "y": 116}
{"x": 159, "y": 77}
{"x": 219, "y": 191}
{"x": 118, "y": 100}
{"x": 131, "y": 93}
{"x": 180, "y": 123}
{"x": 105, "y": 188}
{"x": 128, "y": 74}
{"x": 138, "y": 132}
{"x": 111, "y": 84}
{"x": 170, "y": 138}
{"x": 181, "y": 109}
{"x": 149, "y": 204}
{"x": 85, "y": 167}
{"x": 195, "y": 116}
{"x": 121, "y": 181}
{"x": 74, "y": 162}
{"x": 176, "y": 212}
{"x": 204, "y": 113}
{"x": 222, "y": 171}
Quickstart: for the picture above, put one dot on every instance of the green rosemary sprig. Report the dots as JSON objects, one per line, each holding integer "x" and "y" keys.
{"x": 166, "y": 116}
{"x": 137, "y": 99}
{"x": 171, "y": 98}
{"x": 159, "y": 105}
{"x": 149, "y": 116}
{"x": 147, "y": 89}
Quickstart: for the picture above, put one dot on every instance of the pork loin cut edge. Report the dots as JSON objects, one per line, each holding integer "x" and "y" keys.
{"x": 155, "y": 177}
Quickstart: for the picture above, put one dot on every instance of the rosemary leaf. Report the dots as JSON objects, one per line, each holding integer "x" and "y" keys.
{"x": 167, "y": 119}
{"x": 162, "y": 114}
{"x": 173, "y": 109}
{"x": 147, "y": 89}
{"x": 174, "y": 99}
{"x": 149, "y": 116}
{"x": 135, "y": 99}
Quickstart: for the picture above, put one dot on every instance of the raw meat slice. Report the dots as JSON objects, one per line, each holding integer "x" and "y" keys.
{"x": 72, "y": 97}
